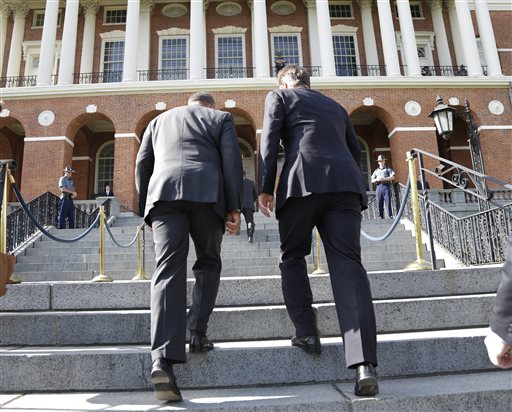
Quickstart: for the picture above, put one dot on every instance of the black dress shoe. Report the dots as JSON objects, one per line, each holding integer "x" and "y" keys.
{"x": 164, "y": 381}
{"x": 199, "y": 343}
{"x": 366, "y": 380}
{"x": 250, "y": 239}
{"x": 310, "y": 344}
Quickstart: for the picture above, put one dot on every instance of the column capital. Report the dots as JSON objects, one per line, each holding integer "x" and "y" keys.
{"x": 147, "y": 5}
{"x": 435, "y": 4}
{"x": 309, "y": 3}
{"x": 89, "y": 6}
{"x": 4, "y": 8}
{"x": 206, "y": 3}
{"x": 19, "y": 9}
{"x": 366, "y": 4}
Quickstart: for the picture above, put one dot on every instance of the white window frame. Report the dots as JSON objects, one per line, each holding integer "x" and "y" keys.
{"x": 412, "y": 3}
{"x": 98, "y": 189}
{"x": 113, "y": 36}
{"x": 232, "y": 35}
{"x": 42, "y": 12}
{"x": 356, "y": 48}
{"x": 344, "y": 3}
{"x": 423, "y": 39}
{"x": 112, "y": 8}
{"x": 366, "y": 150}
{"x": 291, "y": 34}
{"x": 160, "y": 48}
{"x": 32, "y": 50}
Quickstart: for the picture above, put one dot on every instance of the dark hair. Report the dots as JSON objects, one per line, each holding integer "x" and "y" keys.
{"x": 201, "y": 97}
{"x": 294, "y": 76}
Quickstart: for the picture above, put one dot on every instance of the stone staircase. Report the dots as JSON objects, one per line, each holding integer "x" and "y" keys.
{"x": 70, "y": 344}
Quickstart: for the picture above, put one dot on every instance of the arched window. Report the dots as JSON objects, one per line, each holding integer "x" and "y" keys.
{"x": 105, "y": 167}
{"x": 365, "y": 163}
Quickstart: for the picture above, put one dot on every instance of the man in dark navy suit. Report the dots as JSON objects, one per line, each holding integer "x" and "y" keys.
{"x": 320, "y": 185}
{"x": 189, "y": 180}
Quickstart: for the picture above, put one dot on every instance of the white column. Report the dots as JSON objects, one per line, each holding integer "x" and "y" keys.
{"x": 443, "y": 50}
{"x": 4, "y": 14}
{"x": 20, "y": 11}
{"x": 68, "y": 51}
{"x": 47, "y": 56}
{"x": 457, "y": 42}
{"x": 467, "y": 35}
{"x": 325, "y": 38}
{"x": 260, "y": 41}
{"x": 131, "y": 41}
{"x": 487, "y": 38}
{"x": 90, "y": 8}
{"x": 370, "y": 44}
{"x": 197, "y": 39}
{"x": 408, "y": 38}
{"x": 387, "y": 33}
{"x": 146, "y": 6}
{"x": 314, "y": 43}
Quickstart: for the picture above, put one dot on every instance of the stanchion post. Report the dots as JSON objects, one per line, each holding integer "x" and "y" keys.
{"x": 419, "y": 263}
{"x": 318, "y": 270}
{"x": 102, "y": 277}
{"x": 7, "y": 177}
{"x": 140, "y": 275}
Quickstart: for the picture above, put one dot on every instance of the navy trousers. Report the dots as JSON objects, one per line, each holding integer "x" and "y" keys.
{"x": 66, "y": 210}
{"x": 338, "y": 219}
{"x": 384, "y": 198}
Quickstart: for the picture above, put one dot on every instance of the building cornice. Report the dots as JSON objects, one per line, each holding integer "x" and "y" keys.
{"x": 319, "y": 83}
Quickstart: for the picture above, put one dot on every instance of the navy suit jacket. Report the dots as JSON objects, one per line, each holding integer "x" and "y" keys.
{"x": 190, "y": 153}
{"x": 501, "y": 319}
{"x": 321, "y": 150}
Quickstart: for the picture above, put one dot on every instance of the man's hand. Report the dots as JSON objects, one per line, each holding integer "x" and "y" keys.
{"x": 233, "y": 222}
{"x": 266, "y": 203}
{"x": 500, "y": 353}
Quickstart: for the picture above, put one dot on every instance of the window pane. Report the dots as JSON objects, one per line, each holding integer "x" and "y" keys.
{"x": 174, "y": 59}
{"x": 345, "y": 57}
{"x": 340, "y": 11}
{"x": 288, "y": 46}
{"x": 113, "y": 61}
{"x": 115, "y": 16}
{"x": 230, "y": 57}
{"x": 105, "y": 167}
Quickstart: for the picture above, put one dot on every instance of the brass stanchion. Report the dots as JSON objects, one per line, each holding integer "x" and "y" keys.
{"x": 140, "y": 275}
{"x": 14, "y": 279}
{"x": 419, "y": 263}
{"x": 318, "y": 270}
{"x": 102, "y": 277}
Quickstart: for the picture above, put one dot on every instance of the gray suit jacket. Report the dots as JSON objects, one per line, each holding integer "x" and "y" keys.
{"x": 321, "y": 150}
{"x": 190, "y": 153}
{"x": 501, "y": 319}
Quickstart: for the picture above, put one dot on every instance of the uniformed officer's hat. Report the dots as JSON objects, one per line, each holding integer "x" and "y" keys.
{"x": 68, "y": 169}
{"x": 381, "y": 158}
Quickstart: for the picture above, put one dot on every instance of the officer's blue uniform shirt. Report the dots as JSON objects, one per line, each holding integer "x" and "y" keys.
{"x": 383, "y": 172}
{"x": 67, "y": 183}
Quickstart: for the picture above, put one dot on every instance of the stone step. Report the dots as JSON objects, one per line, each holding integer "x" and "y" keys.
{"x": 58, "y": 328}
{"x": 246, "y": 291}
{"x": 250, "y": 363}
{"x": 119, "y": 271}
{"x": 484, "y": 391}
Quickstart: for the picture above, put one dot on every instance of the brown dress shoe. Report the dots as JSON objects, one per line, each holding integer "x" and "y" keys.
{"x": 366, "y": 380}
{"x": 310, "y": 344}
{"x": 164, "y": 381}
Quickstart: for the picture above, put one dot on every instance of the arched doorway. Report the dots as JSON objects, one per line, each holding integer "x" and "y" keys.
{"x": 104, "y": 173}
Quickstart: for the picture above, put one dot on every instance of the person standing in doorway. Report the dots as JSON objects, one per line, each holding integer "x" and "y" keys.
{"x": 248, "y": 208}
{"x": 67, "y": 194}
{"x": 321, "y": 184}
{"x": 383, "y": 177}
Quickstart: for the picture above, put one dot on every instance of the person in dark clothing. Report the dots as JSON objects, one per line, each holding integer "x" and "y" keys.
{"x": 248, "y": 208}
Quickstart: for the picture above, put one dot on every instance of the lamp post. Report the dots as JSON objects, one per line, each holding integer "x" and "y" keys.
{"x": 443, "y": 118}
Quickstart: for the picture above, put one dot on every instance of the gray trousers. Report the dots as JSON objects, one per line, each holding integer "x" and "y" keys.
{"x": 172, "y": 224}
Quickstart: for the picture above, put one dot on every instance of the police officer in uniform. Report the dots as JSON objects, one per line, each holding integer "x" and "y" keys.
{"x": 67, "y": 207}
{"x": 383, "y": 176}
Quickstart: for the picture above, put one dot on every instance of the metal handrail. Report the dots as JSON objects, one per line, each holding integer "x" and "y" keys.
{"x": 229, "y": 72}
{"x": 98, "y": 77}
{"x": 447, "y": 71}
{"x": 164, "y": 74}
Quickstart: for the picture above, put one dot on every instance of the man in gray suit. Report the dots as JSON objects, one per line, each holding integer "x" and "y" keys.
{"x": 320, "y": 185}
{"x": 189, "y": 180}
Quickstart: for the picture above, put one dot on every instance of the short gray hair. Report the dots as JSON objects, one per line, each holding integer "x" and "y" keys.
{"x": 201, "y": 98}
{"x": 293, "y": 76}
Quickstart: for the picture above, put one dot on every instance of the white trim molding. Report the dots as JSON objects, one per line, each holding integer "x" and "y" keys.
{"x": 496, "y": 127}
{"x": 79, "y": 158}
{"x": 343, "y": 28}
{"x": 126, "y": 135}
{"x": 48, "y": 139}
{"x": 173, "y": 31}
{"x": 285, "y": 29}
{"x": 411, "y": 129}
{"x": 229, "y": 30}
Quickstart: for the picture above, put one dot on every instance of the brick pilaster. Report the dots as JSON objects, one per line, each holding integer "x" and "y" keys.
{"x": 125, "y": 153}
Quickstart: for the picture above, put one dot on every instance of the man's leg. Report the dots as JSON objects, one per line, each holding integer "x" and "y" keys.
{"x": 206, "y": 229}
{"x": 169, "y": 283}
{"x": 340, "y": 229}
{"x": 249, "y": 220}
{"x": 296, "y": 221}
{"x": 380, "y": 200}
{"x": 71, "y": 214}
{"x": 63, "y": 213}
{"x": 387, "y": 200}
